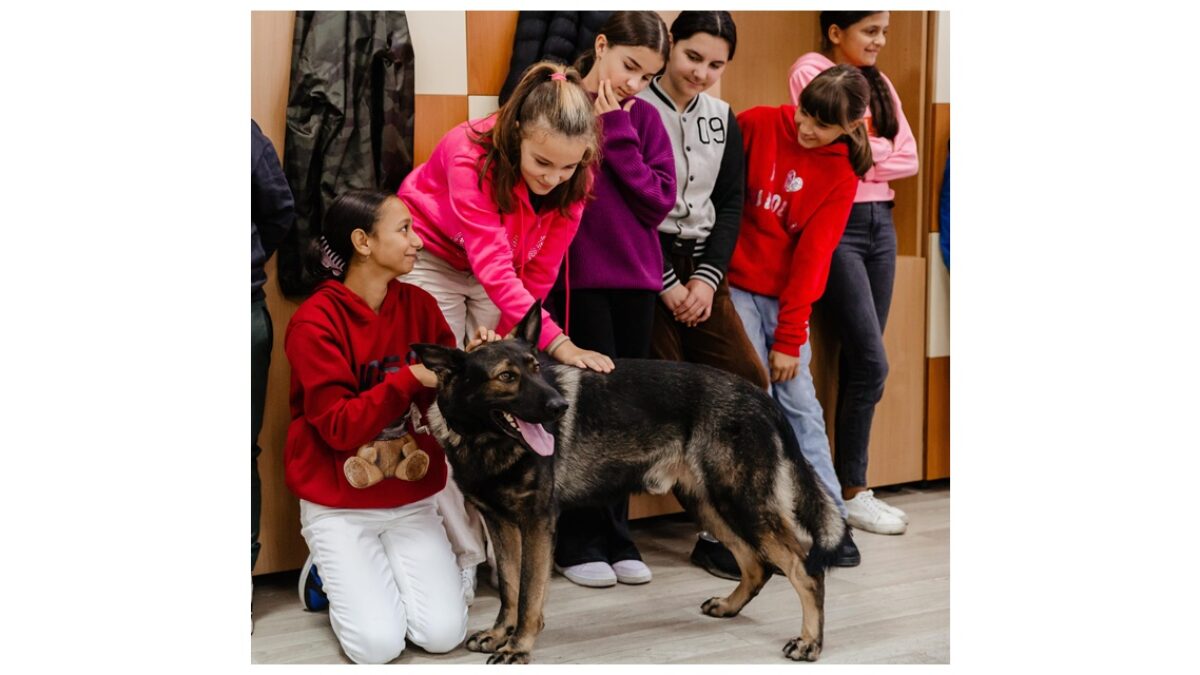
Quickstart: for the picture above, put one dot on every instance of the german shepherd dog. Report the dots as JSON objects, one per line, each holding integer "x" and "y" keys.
{"x": 720, "y": 444}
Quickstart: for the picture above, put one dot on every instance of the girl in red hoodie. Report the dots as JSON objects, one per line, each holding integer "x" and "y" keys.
{"x": 385, "y": 563}
{"x": 802, "y": 169}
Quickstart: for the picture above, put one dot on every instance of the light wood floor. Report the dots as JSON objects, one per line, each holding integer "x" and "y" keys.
{"x": 893, "y": 608}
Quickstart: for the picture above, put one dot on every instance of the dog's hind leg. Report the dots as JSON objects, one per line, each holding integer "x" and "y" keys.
{"x": 537, "y": 537}
{"x": 754, "y": 575}
{"x": 506, "y": 537}
{"x": 787, "y": 553}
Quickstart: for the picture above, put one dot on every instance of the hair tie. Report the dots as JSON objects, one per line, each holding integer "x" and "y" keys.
{"x": 330, "y": 260}
{"x": 561, "y": 77}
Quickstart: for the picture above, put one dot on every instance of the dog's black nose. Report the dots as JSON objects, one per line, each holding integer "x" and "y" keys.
{"x": 558, "y": 407}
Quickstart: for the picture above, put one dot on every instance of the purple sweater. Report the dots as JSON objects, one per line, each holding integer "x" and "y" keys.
{"x": 617, "y": 244}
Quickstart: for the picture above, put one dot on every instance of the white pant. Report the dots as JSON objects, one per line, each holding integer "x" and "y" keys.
{"x": 389, "y": 573}
{"x": 466, "y": 306}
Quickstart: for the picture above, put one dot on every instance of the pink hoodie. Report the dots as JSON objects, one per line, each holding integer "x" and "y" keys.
{"x": 893, "y": 159}
{"x": 515, "y": 256}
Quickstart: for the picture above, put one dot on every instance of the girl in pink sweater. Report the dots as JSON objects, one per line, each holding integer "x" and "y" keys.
{"x": 863, "y": 268}
{"x": 497, "y": 204}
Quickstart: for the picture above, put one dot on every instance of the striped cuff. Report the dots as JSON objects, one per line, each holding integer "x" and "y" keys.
{"x": 708, "y": 274}
{"x": 669, "y": 280}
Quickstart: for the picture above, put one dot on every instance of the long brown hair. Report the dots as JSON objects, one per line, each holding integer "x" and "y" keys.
{"x": 883, "y": 114}
{"x": 839, "y": 97}
{"x": 562, "y": 106}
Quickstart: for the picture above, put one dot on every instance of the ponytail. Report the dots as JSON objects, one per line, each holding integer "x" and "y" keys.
{"x": 882, "y": 111}
{"x": 550, "y": 96}
{"x": 861, "y": 159}
{"x": 328, "y": 256}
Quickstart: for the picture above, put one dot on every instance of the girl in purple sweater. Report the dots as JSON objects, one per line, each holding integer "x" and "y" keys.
{"x": 613, "y": 270}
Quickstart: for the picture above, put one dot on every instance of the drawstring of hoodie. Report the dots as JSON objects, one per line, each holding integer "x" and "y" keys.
{"x": 521, "y": 268}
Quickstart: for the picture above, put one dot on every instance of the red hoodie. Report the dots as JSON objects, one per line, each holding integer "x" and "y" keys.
{"x": 350, "y": 381}
{"x": 797, "y": 203}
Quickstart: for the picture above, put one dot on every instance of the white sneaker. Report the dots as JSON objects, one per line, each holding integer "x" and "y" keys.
{"x": 592, "y": 574}
{"x": 892, "y": 510}
{"x": 468, "y": 584}
{"x": 868, "y": 513}
{"x": 632, "y": 572}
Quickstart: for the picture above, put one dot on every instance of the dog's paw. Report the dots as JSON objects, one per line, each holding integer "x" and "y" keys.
{"x": 487, "y": 641}
{"x": 507, "y": 656}
{"x": 798, "y": 650}
{"x": 718, "y": 607}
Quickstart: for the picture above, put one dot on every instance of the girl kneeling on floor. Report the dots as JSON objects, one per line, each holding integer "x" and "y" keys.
{"x": 384, "y": 559}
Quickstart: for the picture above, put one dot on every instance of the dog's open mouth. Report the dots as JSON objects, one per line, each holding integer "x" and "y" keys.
{"x": 534, "y": 436}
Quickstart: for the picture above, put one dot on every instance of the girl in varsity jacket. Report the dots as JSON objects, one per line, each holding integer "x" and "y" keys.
{"x": 386, "y": 567}
{"x": 802, "y": 168}
{"x": 863, "y": 268}
{"x": 610, "y": 281}
{"x": 694, "y": 319}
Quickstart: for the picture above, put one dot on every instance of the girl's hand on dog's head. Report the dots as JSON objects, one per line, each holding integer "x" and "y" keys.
{"x": 572, "y": 355}
{"x": 424, "y": 375}
{"x": 483, "y": 336}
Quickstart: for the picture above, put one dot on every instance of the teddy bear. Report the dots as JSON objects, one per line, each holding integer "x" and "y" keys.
{"x": 379, "y": 459}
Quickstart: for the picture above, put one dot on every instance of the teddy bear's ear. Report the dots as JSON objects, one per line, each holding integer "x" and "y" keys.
{"x": 440, "y": 359}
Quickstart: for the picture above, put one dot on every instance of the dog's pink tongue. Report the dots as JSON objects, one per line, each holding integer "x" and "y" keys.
{"x": 537, "y": 437}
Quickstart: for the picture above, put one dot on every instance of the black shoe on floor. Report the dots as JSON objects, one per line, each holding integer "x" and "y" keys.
{"x": 847, "y": 553}
{"x": 715, "y": 559}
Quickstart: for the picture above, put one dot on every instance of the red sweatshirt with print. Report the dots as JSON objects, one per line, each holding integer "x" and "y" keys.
{"x": 797, "y": 203}
{"x": 351, "y": 380}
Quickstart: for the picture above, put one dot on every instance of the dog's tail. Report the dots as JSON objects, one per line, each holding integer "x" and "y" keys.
{"x": 815, "y": 510}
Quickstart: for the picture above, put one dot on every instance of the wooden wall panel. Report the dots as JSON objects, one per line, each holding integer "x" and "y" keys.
{"x": 939, "y": 130}
{"x": 768, "y": 44}
{"x": 937, "y": 421}
{"x": 897, "y": 437}
{"x": 489, "y": 49}
{"x": 903, "y": 60}
{"x": 434, "y": 116}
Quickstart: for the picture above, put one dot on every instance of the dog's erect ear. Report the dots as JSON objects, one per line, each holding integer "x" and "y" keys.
{"x": 530, "y": 327}
{"x": 440, "y": 359}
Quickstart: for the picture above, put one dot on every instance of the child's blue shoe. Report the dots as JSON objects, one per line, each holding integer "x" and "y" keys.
{"x": 312, "y": 591}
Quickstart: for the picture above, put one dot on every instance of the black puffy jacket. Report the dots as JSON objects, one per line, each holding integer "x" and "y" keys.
{"x": 556, "y": 36}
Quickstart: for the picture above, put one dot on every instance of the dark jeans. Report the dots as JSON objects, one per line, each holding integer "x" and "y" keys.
{"x": 261, "y": 336}
{"x": 719, "y": 342}
{"x": 617, "y": 323}
{"x": 857, "y": 298}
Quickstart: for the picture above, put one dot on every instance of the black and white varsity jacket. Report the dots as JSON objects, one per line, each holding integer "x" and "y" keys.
{"x": 710, "y": 175}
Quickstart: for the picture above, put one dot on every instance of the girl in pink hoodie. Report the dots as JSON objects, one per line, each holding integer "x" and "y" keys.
{"x": 863, "y": 269}
{"x": 497, "y": 204}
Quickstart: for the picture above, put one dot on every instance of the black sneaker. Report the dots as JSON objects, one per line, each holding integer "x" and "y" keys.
{"x": 847, "y": 553}
{"x": 312, "y": 591}
{"x": 715, "y": 559}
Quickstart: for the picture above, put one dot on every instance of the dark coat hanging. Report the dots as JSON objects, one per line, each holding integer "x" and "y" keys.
{"x": 556, "y": 36}
{"x": 349, "y": 117}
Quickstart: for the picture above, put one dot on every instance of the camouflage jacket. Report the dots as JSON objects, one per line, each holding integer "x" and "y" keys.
{"x": 349, "y": 117}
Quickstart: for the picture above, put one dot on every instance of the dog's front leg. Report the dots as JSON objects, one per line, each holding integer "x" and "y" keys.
{"x": 537, "y": 538}
{"x": 507, "y": 540}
